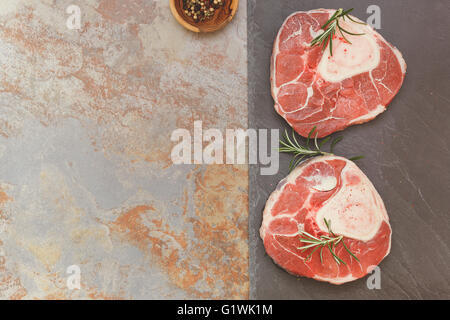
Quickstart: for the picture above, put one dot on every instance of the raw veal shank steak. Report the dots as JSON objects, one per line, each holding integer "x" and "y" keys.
{"x": 335, "y": 189}
{"x": 312, "y": 88}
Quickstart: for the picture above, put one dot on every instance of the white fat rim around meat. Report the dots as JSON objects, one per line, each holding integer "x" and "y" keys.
{"x": 347, "y": 278}
{"x": 332, "y": 209}
{"x": 370, "y": 115}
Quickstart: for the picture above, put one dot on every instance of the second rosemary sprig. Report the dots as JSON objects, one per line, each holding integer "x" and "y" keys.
{"x": 290, "y": 144}
{"x": 329, "y": 242}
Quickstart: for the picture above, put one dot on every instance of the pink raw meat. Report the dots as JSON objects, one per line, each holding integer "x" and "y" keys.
{"x": 312, "y": 88}
{"x": 335, "y": 189}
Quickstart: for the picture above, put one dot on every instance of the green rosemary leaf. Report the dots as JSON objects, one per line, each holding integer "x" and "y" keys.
{"x": 330, "y": 28}
{"x": 298, "y": 161}
{"x": 356, "y": 158}
{"x": 342, "y": 261}
{"x": 304, "y": 248}
{"x": 348, "y": 250}
{"x": 321, "y": 259}
{"x": 331, "y": 242}
{"x": 333, "y": 254}
{"x": 353, "y": 20}
{"x": 309, "y": 235}
{"x": 331, "y": 19}
{"x": 330, "y": 42}
{"x": 295, "y": 140}
{"x": 335, "y": 142}
{"x": 301, "y": 152}
{"x": 310, "y": 241}
{"x": 309, "y": 136}
{"x": 336, "y": 258}
{"x": 328, "y": 224}
{"x": 346, "y": 12}
{"x": 351, "y": 33}
{"x": 315, "y": 141}
{"x": 294, "y": 163}
{"x": 343, "y": 35}
{"x": 286, "y": 136}
{"x": 329, "y": 227}
{"x": 291, "y": 164}
{"x": 291, "y": 145}
{"x": 324, "y": 141}
{"x": 324, "y": 45}
{"x": 311, "y": 253}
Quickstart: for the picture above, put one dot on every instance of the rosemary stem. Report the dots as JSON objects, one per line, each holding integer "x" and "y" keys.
{"x": 331, "y": 241}
{"x": 331, "y": 27}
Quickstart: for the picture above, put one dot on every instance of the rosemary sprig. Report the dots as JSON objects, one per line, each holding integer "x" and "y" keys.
{"x": 331, "y": 27}
{"x": 356, "y": 158}
{"x": 291, "y": 145}
{"x": 324, "y": 241}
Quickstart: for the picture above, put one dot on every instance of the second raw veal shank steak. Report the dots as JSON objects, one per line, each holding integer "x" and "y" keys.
{"x": 334, "y": 189}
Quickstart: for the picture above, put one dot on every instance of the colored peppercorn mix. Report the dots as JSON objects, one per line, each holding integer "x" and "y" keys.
{"x": 201, "y": 10}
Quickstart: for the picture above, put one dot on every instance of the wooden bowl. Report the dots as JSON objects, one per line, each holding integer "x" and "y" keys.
{"x": 220, "y": 19}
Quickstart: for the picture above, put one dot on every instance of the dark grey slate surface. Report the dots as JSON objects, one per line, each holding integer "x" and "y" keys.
{"x": 407, "y": 153}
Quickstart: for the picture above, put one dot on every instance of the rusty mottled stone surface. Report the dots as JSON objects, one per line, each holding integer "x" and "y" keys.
{"x": 85, "y": 172}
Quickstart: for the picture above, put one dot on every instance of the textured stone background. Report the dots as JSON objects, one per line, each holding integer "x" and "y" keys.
{"x": 85, "y": 171}
{"x": 406, "y": 149}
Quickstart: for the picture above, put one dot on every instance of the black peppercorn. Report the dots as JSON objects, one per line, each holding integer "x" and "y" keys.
{"x": 201, "y": 10}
